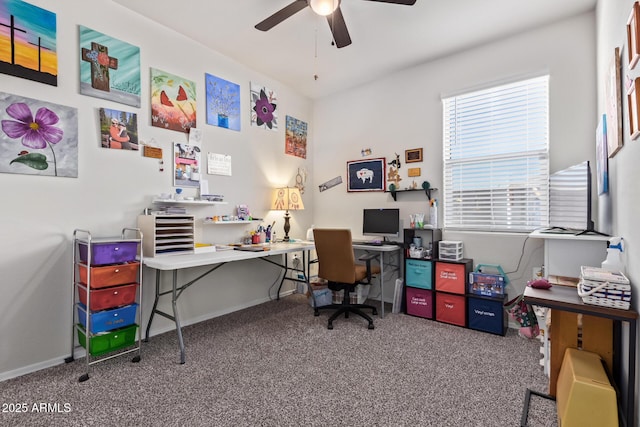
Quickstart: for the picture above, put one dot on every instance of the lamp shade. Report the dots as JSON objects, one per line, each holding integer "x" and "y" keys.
{"x": 287, "y": 199}
{"x": 324, "y": 7}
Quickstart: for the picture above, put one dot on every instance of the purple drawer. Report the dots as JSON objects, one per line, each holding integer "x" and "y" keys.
{"x": 109, "y": 253}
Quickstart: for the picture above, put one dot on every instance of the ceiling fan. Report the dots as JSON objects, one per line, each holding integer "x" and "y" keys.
{"x": 328, "y": 8}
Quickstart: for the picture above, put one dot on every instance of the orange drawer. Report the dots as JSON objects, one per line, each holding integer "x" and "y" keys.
{"x": 451, "y": 276}
{"x": 110, "y": 275}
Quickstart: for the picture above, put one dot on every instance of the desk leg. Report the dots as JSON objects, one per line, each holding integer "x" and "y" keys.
{"x": 174, "y": 303}
{"x": 631, "y": 381}
{"x": 155, "y": 305}
{"x": 382, "y": 285}
{"x": 284, "y": 274}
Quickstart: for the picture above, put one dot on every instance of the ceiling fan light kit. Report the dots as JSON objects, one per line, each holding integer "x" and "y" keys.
{"x": 324, "y": 7}
{"x": 328, "y": 8}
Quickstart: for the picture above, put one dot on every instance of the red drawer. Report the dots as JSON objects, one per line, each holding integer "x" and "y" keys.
{"x": 452, "y": 276}
{"x": 105, "y": 298}
{"x": 110, "y": 275}
{"x": 451, "y": 309}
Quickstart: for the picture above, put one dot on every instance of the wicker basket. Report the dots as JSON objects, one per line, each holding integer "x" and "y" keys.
{"x": 606, "y": 294}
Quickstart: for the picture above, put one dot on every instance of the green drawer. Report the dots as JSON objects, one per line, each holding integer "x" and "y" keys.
{"x": 109, "y": 341}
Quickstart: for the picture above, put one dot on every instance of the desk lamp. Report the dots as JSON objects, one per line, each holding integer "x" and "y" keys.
{"x": 286, "y": 199}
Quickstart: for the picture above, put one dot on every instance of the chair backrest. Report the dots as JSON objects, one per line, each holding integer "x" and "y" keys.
{"x": 336, "y": 261}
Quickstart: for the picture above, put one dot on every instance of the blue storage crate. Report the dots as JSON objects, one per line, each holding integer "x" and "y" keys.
{"x": 487, "y": 314}
{"x": 419, "y": 274}
{"x": 106, "y": 320}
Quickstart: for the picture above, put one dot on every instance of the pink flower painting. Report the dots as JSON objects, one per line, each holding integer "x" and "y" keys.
{"x": 42, "y": 144}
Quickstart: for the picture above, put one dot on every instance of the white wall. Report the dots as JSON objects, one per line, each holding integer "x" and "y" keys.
{"x": 404, "y": 111}
{"x": 39, "y": 213}
{"x": 622, "y": 204}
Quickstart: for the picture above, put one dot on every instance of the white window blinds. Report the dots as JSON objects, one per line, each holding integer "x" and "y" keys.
{"x": 496, "y": 167}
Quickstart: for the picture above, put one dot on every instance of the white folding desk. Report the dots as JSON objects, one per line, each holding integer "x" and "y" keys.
{"x": 380, "y": 250}
{"x": 174, "y": 263}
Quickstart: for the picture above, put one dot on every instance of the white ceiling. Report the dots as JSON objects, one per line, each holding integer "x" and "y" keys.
{"x": 386, "y": 37}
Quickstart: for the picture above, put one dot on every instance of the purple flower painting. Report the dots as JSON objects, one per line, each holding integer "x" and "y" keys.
{"x": 37, "y": 137}
{"x": 263, "y": 107}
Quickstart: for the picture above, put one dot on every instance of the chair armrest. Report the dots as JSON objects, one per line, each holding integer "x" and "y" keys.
{"x": 367, "y": 258}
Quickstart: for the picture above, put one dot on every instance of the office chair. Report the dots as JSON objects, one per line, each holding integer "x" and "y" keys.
{"x": 336, "y": 264}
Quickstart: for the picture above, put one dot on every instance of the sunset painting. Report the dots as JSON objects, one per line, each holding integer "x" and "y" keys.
{"x": 28, "y": 42}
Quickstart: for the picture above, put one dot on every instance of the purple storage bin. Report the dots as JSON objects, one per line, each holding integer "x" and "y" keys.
{"x": 420, "y": 302}
{"x": 109, "y": 253}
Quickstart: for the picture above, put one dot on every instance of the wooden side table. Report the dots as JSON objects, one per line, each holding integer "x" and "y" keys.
{"x": 601, "y": 334}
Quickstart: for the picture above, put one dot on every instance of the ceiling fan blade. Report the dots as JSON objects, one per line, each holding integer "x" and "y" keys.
{"x": 282, "y": 14}
{"x": 339, "y": 28}
{"x": 405, "y": 2}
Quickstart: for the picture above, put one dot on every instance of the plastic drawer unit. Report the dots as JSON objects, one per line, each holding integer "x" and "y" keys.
{"x": 105, "y": 298}
{"x": 419, "y": 273}
{"x": 109, "y": 341}
{"x": 109, "y": 275}
{"x": 106, "y": 320}
{"x": 109, "y": 253}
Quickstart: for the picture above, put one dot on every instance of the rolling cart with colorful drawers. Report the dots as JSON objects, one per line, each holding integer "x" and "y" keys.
{"x": 418, "y": 289}
{"x": 107, "y": 296}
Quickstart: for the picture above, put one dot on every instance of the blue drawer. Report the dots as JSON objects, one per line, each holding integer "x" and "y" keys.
{"x": 106, "y": 320}
{"x": 419, "y": 273}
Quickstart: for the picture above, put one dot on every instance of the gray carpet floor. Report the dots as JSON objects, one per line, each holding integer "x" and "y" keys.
{"x": 277, "y": 365}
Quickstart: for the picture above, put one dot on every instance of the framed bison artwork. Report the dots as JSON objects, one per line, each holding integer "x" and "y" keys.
{"x": 366, "y": 175}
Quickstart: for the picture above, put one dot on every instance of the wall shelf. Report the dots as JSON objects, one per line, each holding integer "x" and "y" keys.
{"x": 230, "y": 222}
{"x": 187, "y": 202}
{"x": 427, "y": 191}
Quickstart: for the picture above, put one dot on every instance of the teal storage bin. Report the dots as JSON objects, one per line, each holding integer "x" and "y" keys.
{"x": 106, "y": 320}
{"x": 419, "y": 273}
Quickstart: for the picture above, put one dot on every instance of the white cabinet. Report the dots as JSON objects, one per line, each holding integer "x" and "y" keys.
{"x": 167, "y": 234}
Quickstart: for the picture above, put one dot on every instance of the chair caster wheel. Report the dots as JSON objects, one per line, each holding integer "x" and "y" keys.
{"x": 316, "y": 313}
{"x": 330, "y": 326}
{"x": 371, "y": 326}
{"x": 374, "y": 312}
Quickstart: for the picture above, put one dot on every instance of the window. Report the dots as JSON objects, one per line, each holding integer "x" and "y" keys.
{"x": 496, "y": 158}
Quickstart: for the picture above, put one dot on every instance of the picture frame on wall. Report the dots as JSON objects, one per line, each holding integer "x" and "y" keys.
{"x": 366, "y": 175}
{"x": 413, "y": 156}
{"x": 602, "y": 169}
{"x": 613, "y": 91}
{"x": 633, "y": 36}
{"x": 632, "y": 100}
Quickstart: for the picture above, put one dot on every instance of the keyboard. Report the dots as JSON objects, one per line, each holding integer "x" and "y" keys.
{"x": 373, "y": 243}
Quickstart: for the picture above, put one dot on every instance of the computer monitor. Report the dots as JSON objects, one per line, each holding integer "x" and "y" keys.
{"x": 381, "y": 222}
{"x": 570, "y": 200}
